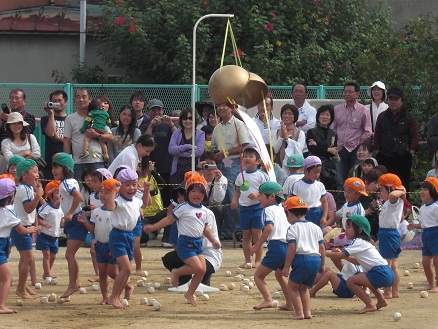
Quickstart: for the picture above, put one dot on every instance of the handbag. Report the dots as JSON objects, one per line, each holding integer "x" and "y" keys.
{"x": 334, "y": 158}
{"x": 39, "y": 160}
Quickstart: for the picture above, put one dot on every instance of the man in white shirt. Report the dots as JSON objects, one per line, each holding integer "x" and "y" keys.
{"x": 262, "y": 124}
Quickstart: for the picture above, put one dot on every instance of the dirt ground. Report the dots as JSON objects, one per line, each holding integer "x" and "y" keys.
{"x": 225, "y": 309}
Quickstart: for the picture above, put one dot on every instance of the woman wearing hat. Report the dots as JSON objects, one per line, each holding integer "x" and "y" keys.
{"x": 377, "y": 92}
{"x": 19, "y": 142}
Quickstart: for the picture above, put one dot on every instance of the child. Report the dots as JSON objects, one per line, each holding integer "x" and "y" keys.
{"x": 208, "y": 131}
{"x": 192, "y": 219}
{"x": 429, "y": 224}
{"x": 71, "y": 198}
{"x": 276, "y": 225}
{"x": 434, "y": 172}
{"x": 27, "y": 198}
{"x": 361, "y": 252}
{"x": 305, "y": 253}
{"x": 295, "y": 165}
{"x": 246, "y": 196}
{"x": 50, "y": 222}
{"x": 97, "y": 119}
{"x": 312, "y": 191}
{"x": 364, "y": 151}
{"x": 125, "y": 214}
{"x": 392, "y": 194}
{"x": 368, "y": 164}
{"x": 9, "y": 221}
{"x": 12, "y": 166}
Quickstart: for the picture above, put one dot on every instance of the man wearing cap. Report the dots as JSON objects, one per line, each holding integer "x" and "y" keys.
{"x": 396, "y": 137}
{"x": 74, "y": 139}
{"x": 261, "y": 122}
{"x": 138, "y": 101}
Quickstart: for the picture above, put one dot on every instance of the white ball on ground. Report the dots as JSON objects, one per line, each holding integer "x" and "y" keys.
{"x": 245, "y": 288}
{"x": 407, "y": 273}
{"x": 19, "y": 302}
{"x": 245, "y": 281}
{"x": 54, "y": 282}
{"x": 144, "y": 278}
{"x": 248, "y": 266}
{"x": 48, "y": 280}
{"x": 149, "y": 284}
{"x": 157, "y": 285}
{"x": 38, "y": 285}
{"x": 240, "y": 270}
{"x": 151, "y": 301}
{"x": 94, "y": 287}
{"x": 61, "y": 300}
{"x": 125, "y": 302}
{"x": 140, "y": 283}
{"x": 228, "y": 273}
{"x": 199, "y": 293}
{"x": 44, "y": 300}
{"x": 231, "y": 286}
{"x": 416, "y": 265}
{"x": 151, "y": 290}
{"x": 67, "y": 299}
{"x": 276, "y": 294}
{"x": 250, "y": 285}
{"x": 397, "y": 316}
{"x": 157, "y": 306}
{"x": 238, "y": 278}
{"x": 167, "y": 280}
{"x": 410, "y": 285}
{"x": 223, "y": 287}
{"x": 143, "y": 300}
{"x": 205, "y": 297}
{"x": 275, "y": 303}
{"x": 424, "y": 294}
{"x": 82, "y": 290}
{"x": 52, "y": 297}
{"x": 145, "y": 273}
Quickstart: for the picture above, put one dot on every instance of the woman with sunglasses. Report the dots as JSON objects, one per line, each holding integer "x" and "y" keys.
{"x": 180, "y": 146}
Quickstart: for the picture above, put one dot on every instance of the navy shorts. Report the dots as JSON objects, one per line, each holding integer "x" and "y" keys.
{"x": 47, "y": 242}
{"x": 430, "y": 241}
{"x": 275, "y": 256}
{"x": 305, "y": 269}
{"x": 251, "y": 217}
{"x": 103, "y": 253}
{"x": 173, "y": 238}
{"x": 75, "y": 230}
{"x": 342, "y": 290}
{"x": 138, "y": 229}
{"x": 380, "y": 276}
{"x": 5, "y": 249}
{"x": 121, "y": 243}
{"x": 389, "y": 243}
{"x": 21, "y": 242}
{"x": 314, "y": 215}
{"x": 187, "y": 247}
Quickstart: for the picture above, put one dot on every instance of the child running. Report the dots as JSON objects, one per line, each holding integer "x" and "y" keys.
{"x": 192, "y": 220}
{"x": 50, "y": 221}
{"x": 8, "y": 221}
{"x": 429, "y": 223}
{"x": 361, "y": 252}
{"x": 276, "y": 225}
{"x": 306, "y": 255}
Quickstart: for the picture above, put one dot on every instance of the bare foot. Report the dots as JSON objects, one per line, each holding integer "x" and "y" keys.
{"x": 312, "y": 295}
{"x": 6, "y": 310}
{"x": 115, "y": 302}
{"x": 355, "y": 299}
{"x": 297, "y": 317}
{"x": 104, "y": 301}
{"x": 70, "y": 291}
{"x": 387, "y": 295}
{"x": 129, "y": 290}
{"x": 139, "y": 272}
{"x": 191, "y": 299}
{"x": 381, "y": 304}
{"x": 174, "y": 278}
{"x": 434, "y": 290}
{"x": 23, "y": 294}
{"x": 243, "y": 265}
{"x": 263, "y": 305}
{"x": 395, "y": 295}
{"x": 285, "y": 307}
{"x": 49, "y": 276}
{"x": 367, "y": 309}
{"x": 30, "y": 291}
{"x": 255, "y": 265}
{"x": 426, "y": 288}
{"x": 95, "y": 279}
{"x": 308, "y": 316}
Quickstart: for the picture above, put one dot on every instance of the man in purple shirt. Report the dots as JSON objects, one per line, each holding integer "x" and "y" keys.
{"x": 353, "y": 126}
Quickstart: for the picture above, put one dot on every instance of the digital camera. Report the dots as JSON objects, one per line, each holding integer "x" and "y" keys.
{"x": 209, "y": 166}
{"x": 52, "y": 105}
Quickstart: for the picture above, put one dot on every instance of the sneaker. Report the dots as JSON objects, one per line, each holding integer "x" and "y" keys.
{"x": 83, "y": 155}
{"x": 143, "y": 245}
{"x": 167, "y": 245}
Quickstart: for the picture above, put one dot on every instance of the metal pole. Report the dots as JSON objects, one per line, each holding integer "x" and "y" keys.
{"x": 82, "y": 31}
{"x": 194, "y": 82}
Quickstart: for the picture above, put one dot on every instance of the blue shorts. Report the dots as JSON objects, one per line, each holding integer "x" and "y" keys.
{"x": 342, "y": 290}
{"x": 5, "y": 249}
{"x": 314, "y": 215}
{"x": 305, "y": 269}
{"x": 121, "y": 243}
{"x": 47, "y": 242}
{"x": 75, "y": 230}
{"x": 389, "y": 243}
{"x": 103, "y": 253}
{"x": 187, "y": 247}
{"x": 21, "y": 242}
{"x": 173, "y": 237}
{"x": 138, "y": 229}
{"x": 251, "y": 217}
{"x": 275, "y": 256}
{"x": 380, "y": 276}
{"x": 430, "y": 241}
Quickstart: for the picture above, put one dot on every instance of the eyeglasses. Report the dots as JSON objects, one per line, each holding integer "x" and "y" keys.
{"x": 17, "y": 98}
{"x": 187, "y": 118}
{"x": 346, "y": 92}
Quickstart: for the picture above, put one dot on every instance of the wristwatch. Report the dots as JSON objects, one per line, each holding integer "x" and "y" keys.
{"x": 99, "y": 136}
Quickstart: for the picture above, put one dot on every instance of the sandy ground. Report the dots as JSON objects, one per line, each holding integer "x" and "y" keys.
{"x": 225, "y": 309}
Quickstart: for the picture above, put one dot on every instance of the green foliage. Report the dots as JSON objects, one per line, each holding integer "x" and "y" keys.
{"x": 81, "y": 74}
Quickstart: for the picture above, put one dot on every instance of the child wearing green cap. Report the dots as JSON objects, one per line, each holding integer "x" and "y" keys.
{"x": 295, "y": 166}
{"x": 276, "y": 225}
{"x": 12, "y": 167}
{"x": 361, "y": 252}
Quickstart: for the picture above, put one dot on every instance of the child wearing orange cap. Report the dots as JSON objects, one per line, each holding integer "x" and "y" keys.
{"x": 50, "y": 220}
{"x": 392, "y": 194}
{"x": 192, "y": 220}
{"x": 429, "y": 223}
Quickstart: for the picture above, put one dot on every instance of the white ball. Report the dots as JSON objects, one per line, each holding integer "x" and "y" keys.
{"x": 237, "y": 278}
{"x": 145, "y": 273}
{"x": 231, "y": 286}
{"x": 61, "y": 300}
{"x": 407, "y": 273}
{"x": 223, "y": 287}
{"x": 248, "y": 266}
{"x": 44, "y": 300}
{"x": 424, "y": 294}
{"x": 275, "y": 303}
{"x": 157, "y": 306}
{"x": 51, "y": 297}
{"x": 410, "y": 285}
{"x": 140, "y": 283}
{"x": 48, "y": 280}
{"x": 416, "y": 265}
{"x": 19, "y": 302}
{"x": 67, "y": 299}
{"x": 245, "y": 288}
{"x": 397, "y": 316}
{"x": 240, "y": 270}
{"x": 228, "y": 273}
{"x": 143, "y": 300}
{"x": 149, "y": 284}
{"x": 199, "y": 293}
{"x": 94, "y": 287}
{"x": 167, "y": 280}
{"x": 157, "y": 285}
{"x": 250, "y": 285}
{"x": 37, "y": 285}
{"x": 144, "y": 278}
{"x": 82, "y": 291}
{"x": 125, "y": 302}
{"x": 151, "y": 301}
{"x": 245, "y": 281}
{"x": 276, "y": 294}
{"x": 205, "y": 297}
{"x": 151, "y": 290}
{"x": 54, "y": 282}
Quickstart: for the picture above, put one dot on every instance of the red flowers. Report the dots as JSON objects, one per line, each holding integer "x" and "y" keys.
{"x": 120, "y": 21}
{"x": 119, "y": 1}
{"x": 316, "y": 0}
{"x": 132, "y": 28}
{"x": 53, "y": 73}
{"x": 239, "y": 53}
{"x": 269, "y": 27}
{"x": 205, "y": 3}
{"x": 329, "y": 68}
{"x": 403, "y": 36}
{"x": 131, "y": 18}
{"x": 273, "y": 14}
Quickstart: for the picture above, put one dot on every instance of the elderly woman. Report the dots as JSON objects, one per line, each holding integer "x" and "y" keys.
{"x": 377, "y": 92}
{"x": 180, "y": 146}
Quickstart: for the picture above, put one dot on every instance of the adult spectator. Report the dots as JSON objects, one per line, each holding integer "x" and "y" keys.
{"x": 229, "y": 139}
{"x": 432, "y": 138}
{"x": 353, "y": 126}
{"x": 262, "y": 122}
{"x": 138, "y": 100}
{"x": 306, "y": 113}
{"x": 377, "y": 92}
{"x": 161, "y": 128}
{"x": 212, "y": 119}
{"x": 204, "y": 108}
{"x": 396, "y": 137}
{"x": 52, "y": 126}
{"x": 180, "y": 146}
{"x": 125, "y": 134}
{"x": 74, "y": 139}
{"x": 322, "y": 142}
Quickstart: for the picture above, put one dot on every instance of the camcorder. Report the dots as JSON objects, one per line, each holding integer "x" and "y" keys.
{"x": 52, "y": 105}
{"x": 209, "y": 166}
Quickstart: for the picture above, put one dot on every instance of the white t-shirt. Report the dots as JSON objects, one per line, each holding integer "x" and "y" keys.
{"x": 66, "y": 188}
{"x": 289, "y": 181}
{"x": 128, "y": 157}
{"x": 402, "y": 228}
{"x": 10, "y": 149}
{"x": 24, "y": 194}
{"x": 9, "y": 220}
{"x": 125, "y": 216}
{"x": 349, "y": 269}
{"x": 276, "y": 216}
{"x": 51, "y": 215}
{"x": 349, "y": 209}
{"x": 74, "y": 122}
{"x": 94, "y": 200}
{"x": 214, "y": 256}
{"x": 310, "y": 192}
{"x": 391, "y": 214}
{"x": 429, "y": 215}
{"x": 255, "y": 179}
{"x": 365, "y": 253}
{"x": 307, "y": 237}
{"x": 191, "y": 219}
{"x": 219, "y": 190}
{"x": 102, "y": 224}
